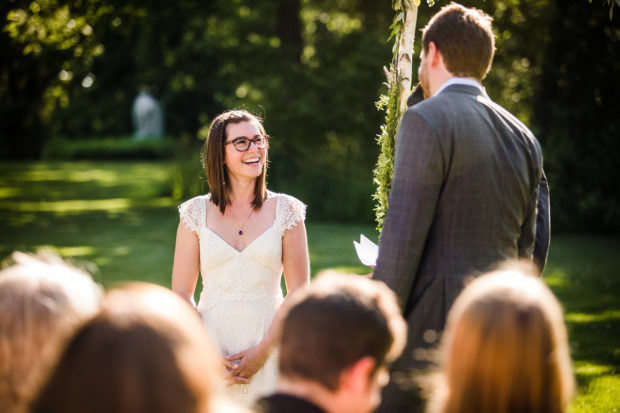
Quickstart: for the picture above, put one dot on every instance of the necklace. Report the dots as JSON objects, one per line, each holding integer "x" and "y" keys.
{"x": 244, "y": 222}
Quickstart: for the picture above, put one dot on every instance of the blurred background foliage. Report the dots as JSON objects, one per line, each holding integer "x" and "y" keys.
{"x": 313, "y": 70}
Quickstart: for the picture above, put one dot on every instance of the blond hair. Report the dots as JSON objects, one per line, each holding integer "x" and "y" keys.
{"x": 42, "y": 301}
{"x": 505, "y": 349}
{"x": 146, "y": 351}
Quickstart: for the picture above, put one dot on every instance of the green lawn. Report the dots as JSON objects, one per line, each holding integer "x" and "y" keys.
{"x": 115, "y": 218}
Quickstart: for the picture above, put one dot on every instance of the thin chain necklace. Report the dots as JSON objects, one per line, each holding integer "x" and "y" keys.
{"x": 244, "y": 222}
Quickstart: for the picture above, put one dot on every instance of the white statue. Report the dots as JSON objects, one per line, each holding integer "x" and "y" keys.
{"x": 147, "y": 116}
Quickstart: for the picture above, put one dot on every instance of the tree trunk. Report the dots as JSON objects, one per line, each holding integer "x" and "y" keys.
{"x": 405, "y": 54}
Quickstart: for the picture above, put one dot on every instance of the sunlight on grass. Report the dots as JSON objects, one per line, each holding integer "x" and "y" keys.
{"x": 85, "y": 205}
{"x": 114, "y": 219}
{"x": 556, "y": 278}
{"x": 60, "y": 172}
{"x": 102, "y": 261}
{"x": 51, "y": 174}
{"x": 589, "y": 318}
{"x": 351, "y": 269}
{"x": 9, "y": 192}
{"x": 600, "y": 394}
{"x": 74, "y": 205}
{"x": 75, "y": 251}
{"x": 120, "y": 251}
{"x": 586, "y": 368}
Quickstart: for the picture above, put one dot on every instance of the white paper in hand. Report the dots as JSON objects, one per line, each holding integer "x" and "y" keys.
{"x": 367, "y": 251}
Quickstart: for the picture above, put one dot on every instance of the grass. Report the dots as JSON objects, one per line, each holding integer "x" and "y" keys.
{"x": 115, "y": 218}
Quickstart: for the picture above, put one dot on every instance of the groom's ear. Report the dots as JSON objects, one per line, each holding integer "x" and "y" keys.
{"x": 434, "y": 56}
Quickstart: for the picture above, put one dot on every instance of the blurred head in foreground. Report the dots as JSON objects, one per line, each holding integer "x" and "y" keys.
{"x": 504, "y": 349}
{"x": 338, "y": 337}
{"x": 146, "y": 351}
{"x": 42, "y": 301}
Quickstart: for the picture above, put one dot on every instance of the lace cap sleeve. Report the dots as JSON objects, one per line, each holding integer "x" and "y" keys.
{"x": 192, "y": 213}
{"x": 290, "y": 212}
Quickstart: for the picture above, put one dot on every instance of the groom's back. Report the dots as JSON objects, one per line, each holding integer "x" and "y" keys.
{"x": 492, "y": 165}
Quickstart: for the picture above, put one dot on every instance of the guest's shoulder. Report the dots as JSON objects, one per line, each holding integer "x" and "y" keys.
{"x": 281, "y": 402}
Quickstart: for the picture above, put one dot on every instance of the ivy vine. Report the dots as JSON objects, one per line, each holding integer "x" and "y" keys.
{"x": 390, "y": 103}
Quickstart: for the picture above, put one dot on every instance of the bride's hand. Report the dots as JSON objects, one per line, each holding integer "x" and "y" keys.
{"x": 245, "y": 364}
{"x": 231, "y": 376}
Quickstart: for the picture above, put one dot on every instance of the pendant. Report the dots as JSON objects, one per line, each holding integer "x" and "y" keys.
{"x": 240, "y": 232}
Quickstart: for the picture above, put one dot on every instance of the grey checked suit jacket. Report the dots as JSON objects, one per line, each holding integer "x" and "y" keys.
{"x": 464, "y": 197}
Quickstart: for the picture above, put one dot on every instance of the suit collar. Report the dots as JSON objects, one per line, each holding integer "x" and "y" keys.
{"x": 455, "y": 80}
{"x": 467, "y": 89}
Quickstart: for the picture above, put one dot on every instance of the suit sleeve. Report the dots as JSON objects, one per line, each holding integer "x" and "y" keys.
{"x": 418, "y": 177}
{"x": 529, "y": 226}
{"x": 543, "y": 225}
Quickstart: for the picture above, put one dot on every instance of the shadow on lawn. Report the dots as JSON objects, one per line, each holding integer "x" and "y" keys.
{"x": 111, "y": 214}
{"x": 582, "y": 272}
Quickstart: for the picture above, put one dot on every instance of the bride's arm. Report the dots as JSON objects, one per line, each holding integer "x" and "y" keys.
{"x": 186, "y": 263}
{"x": 295, "y": 262}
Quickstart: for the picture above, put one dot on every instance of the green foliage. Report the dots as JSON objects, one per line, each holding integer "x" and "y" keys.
{"x": 384, "y": 171}
{"x": 390, "y": 103}
{"x": 611, "y": 4}
{"x": 109, "y": 148}
{"x": 333, "y": 191}
{"x": 188, "y": 175}
{"x": 577, "y": 117}
{"x": 46, "y": 47}
{"x": 312, "y": 69}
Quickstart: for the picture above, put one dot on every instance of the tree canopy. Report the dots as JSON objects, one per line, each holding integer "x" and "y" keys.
{"x": 313, "y": 70}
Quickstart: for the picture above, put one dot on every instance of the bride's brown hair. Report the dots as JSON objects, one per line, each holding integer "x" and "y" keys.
{"x": 213, "y": 159}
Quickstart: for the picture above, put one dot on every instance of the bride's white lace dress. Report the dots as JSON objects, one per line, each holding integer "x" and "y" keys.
{"x": 241, "y": 289}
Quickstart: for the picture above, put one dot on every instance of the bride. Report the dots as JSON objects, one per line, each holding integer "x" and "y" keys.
{"x": 240, "y": 237}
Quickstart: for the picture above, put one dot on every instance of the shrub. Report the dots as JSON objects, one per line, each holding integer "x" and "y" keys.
{"x": 109, "y": 148}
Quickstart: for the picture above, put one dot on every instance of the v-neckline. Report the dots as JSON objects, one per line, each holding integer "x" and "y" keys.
{"x": 206, "y": 207}
{"x": 247, "y": 246}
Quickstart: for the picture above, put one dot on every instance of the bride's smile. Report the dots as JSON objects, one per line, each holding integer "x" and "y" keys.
{"x": 244, "y": 156}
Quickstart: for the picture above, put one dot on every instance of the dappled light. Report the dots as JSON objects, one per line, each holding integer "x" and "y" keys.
{"x": 115, "y": 207}
{"x": 581, "y": 318}
{"x": 111, "y": 219}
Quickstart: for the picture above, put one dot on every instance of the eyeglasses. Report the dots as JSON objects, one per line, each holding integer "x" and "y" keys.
{"x": 242, "y": 143}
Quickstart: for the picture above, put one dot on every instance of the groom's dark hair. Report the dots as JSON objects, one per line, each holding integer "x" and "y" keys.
{"x": 335, "y": 322}
{"x": 464, "y": 38}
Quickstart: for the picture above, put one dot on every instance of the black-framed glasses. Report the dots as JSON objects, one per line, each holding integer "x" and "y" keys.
{"x": 242, "y": 143}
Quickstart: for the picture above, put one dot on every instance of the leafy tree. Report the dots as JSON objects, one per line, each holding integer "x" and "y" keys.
{"x": 44, "y": 45}
{"x": 312, "y": 68}
{"x": 576, "y": 114}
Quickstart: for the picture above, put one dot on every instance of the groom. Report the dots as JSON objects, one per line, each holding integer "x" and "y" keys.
{"x": 464, "y": 193}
